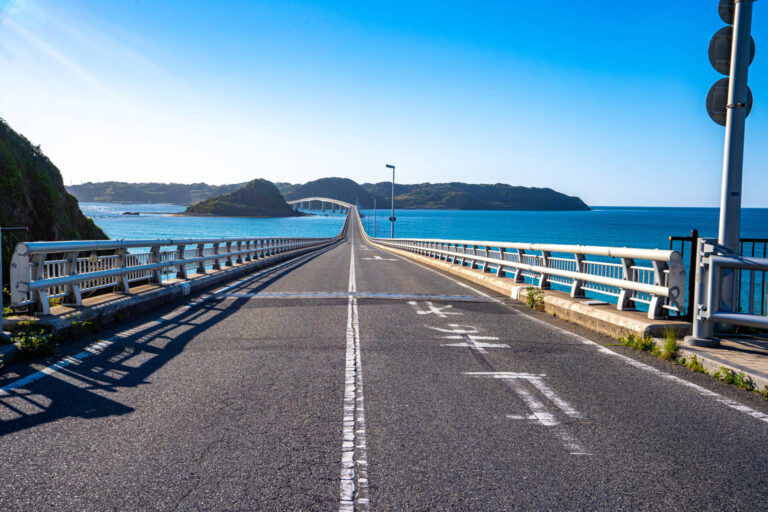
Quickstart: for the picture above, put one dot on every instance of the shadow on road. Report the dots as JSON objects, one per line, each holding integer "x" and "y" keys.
{"x": 83, "y": 388}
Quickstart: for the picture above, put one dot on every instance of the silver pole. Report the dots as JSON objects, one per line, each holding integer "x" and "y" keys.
{"x": 733, "y": 156}
{"x": 392, "y": 216}
{"x": 374, "y": 217}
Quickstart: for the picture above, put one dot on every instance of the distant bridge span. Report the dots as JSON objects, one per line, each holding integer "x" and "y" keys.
{"x": 322, "y": 200}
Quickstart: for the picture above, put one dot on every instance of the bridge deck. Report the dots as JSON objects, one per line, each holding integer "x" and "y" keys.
{"x": 454, "y": 400}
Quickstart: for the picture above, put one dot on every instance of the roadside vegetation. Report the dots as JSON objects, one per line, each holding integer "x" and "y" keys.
{"x": 669, "y": 349}
{"x": 33, "y": 341}
{"x": 534, "y": 298}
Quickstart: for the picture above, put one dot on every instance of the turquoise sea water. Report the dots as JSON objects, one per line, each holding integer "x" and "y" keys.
{"x": 615, "y": 226}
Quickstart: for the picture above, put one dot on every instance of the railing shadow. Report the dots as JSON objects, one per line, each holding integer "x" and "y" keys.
{"x": 82, "y": 389}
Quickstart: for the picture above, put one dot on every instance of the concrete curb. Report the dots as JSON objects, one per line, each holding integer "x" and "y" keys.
{"x": 146, "y": 300}
{"x": 713, "y": 363}
{"x": 604, "y": 319}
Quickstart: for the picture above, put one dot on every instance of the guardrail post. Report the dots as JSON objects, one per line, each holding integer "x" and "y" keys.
{"x": 229, "y": 261}
{"x": 576, "y": 290}
{"x": 216, "y": 259}
{"x": 73, "y": 290}
{"x": 543, "y": 279}
{"x": 703, "y": 330}
{"x": 124, "y": 284}
{"x": 157, "y": 274}
{"x": 487, "y": 254}
{"x": 656, "y": 307}
{"x": 201, "y": 254}
{"x": 239, "y": 248}
{"x": 182, "y": 268}
{"x": 38, "y": 261}
{"x": 624, "y": 302}
{"x": 519, "y": 277}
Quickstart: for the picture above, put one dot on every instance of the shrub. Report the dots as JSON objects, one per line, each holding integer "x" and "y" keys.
{"x": 729, "y": 376}
{"x": 33, "y": 342}
{"x": 670, "y": 347}
{"x": 534, "y": 298}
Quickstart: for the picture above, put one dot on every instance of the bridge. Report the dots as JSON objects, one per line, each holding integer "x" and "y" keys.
{"x": 335, "y": 203}
{"x": 354, "y": 373}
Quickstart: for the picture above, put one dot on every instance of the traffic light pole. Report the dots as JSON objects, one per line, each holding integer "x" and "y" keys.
{"x": 733, "y": 156}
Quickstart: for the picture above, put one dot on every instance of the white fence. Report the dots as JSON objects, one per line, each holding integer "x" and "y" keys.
{"x": 41, "y": 271}
{"x": 648, "y": 276}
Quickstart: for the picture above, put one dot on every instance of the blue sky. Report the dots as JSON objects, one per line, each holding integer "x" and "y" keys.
{"x": 604, "y": 100}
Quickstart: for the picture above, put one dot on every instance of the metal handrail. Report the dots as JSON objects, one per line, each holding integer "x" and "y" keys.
{"x": 36, "y": 277}
{"x": 711, "y": 310}
{"x": 660, "y": 285}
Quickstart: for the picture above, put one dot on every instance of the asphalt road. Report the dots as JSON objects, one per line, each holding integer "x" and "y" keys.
{"x": 352, "y": 378}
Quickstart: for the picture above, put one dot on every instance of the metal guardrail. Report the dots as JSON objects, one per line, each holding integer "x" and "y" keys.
{"x": 660, "y": 284}
{"x": 41, "y": 271}
{"x": 716, "y": 270}
{"x": 751, "y": 286}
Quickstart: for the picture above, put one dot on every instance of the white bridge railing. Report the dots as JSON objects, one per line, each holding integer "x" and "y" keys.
{"x": 649, "y": 276}
{"x": 718, "y": 273}
{"x": 41, "y": 271}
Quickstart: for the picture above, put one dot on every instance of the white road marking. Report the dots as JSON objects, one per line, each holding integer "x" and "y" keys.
{"x": 353, "y": 487}
{"x": 733, "y": 404}
{"x": 539, "y": 412}
{"x": 359, "y": 295}
{"x": 379, "y": 258}
{"x": 468, "y": 333}
{"x": 438, "y": 311}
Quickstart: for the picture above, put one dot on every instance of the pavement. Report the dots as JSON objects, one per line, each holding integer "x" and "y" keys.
{"x": 353, "y": 379}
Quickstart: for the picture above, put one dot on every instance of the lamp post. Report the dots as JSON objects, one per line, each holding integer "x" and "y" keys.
{"x": 374, "y": 217}
{"x": 392, "y": 218}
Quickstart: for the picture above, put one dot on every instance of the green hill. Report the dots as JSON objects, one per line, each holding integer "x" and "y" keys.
{"x": 32, "y": 195}
{"x": 465, "y": 196}
{"x": 443, "y": 196}
{"x": 258, "y": 198}
{"x": 171, "y": 193}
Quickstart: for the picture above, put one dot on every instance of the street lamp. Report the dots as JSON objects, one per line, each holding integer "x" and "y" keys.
{"x": 392, "y": 219}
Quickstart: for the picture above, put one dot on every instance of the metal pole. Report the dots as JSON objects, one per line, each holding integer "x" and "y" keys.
{"x": 392, "y": 217}
{"x": 733, "y": 156}
{"x": 374, "y": 217}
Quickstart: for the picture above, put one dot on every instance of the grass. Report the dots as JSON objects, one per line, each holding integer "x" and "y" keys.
{"x": 764, "y": 392}
{"x": 692, "y": 364}
{"x": 644, "y": 343}
{"x": 534, "y": 298}
{"x": 670, "y": 347}
{"x": 729, "y": 376}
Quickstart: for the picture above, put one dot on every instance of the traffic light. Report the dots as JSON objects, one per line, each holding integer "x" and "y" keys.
{"x": 721, "y": 48}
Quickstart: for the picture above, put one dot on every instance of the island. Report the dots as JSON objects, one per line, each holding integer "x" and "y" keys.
{"x": 257, "y": 198}
{"x": 159, "y": 193}
{"x": 441, "y": 196}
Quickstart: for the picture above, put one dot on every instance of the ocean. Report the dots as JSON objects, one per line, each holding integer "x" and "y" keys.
{"x": 642, "y": 227}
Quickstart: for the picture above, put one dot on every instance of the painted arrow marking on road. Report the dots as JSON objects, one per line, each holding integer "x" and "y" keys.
{"x": 379, "y": 258}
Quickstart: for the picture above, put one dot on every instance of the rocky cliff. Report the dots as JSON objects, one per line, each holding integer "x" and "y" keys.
{"x": 32, "y": 195}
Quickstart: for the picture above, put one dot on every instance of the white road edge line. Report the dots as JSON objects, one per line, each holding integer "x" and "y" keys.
{"x": 353, "y": 486}
{"x": 733, "y": 404}
{"x": 96, "y": 347}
